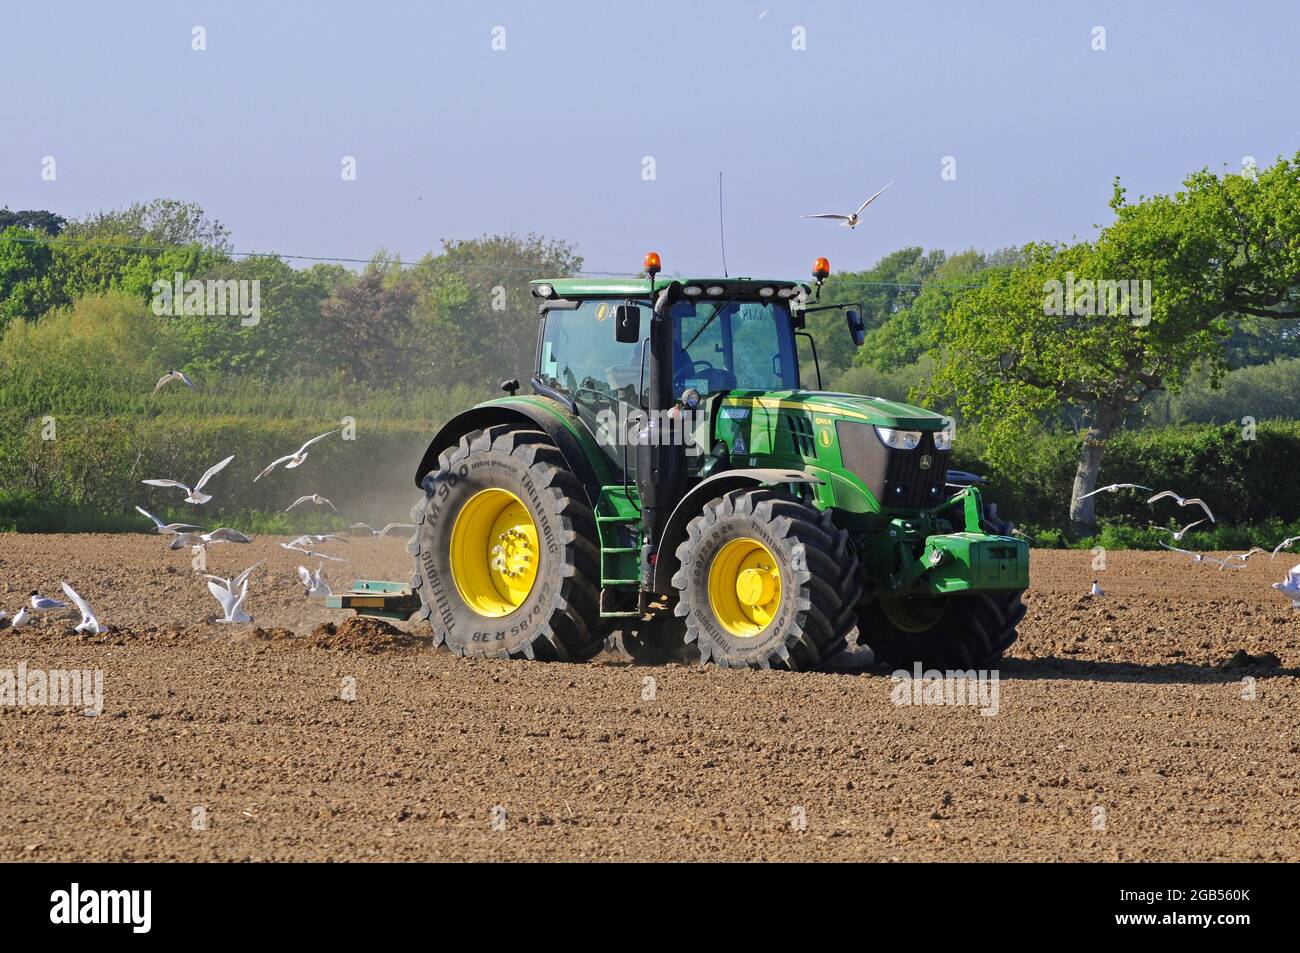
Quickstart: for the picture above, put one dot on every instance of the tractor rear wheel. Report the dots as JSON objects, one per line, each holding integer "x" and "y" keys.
{"x": 941, "y": 632}
{"x": 505, "y": 563}
{"x": 766, "y": 581}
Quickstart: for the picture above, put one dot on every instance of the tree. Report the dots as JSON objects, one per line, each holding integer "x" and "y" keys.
{"x": 26, "y": 287}
{"x": 37, "y": 221}
{"x": 1045, "y": 335}
{"x": 366, "y": 327}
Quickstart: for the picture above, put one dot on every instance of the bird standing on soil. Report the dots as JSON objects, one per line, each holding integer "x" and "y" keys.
{"x": 850, "y": 220}
{"x": 20, "y": 619}
{"x": 295, "y": 459}
{"x": 314, "y": 498}
{"x": 1096, "y": 590}
{"x": 196, "y": 494}
{"x": 42, "y": 604}
{"x": 88, "y": 625}
{"x": 1290, "y": 587}
{"x": 1171, "y": 495}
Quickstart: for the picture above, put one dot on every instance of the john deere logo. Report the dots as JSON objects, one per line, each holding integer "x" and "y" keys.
{"x": 824, "y": 438}
{"x": 925, "y": 462}
{"x": 602, "y": 312}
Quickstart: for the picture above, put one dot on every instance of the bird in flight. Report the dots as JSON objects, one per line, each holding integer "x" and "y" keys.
{"x": 1170, "y": 494}
{"x": 294, "y": 459}
{"x": 88, "y": 625}
{"x": 165, "y": 528}
{"x": 194, "y": 495}
{"x": 1288, "y": 542}
{"x": 358, "y": 527}
{"x": 1290, "y": 587}
{"x": 314, "y": 498}
{"x": 223, "y": 535}
{"x": 850, "y": 220}
{"x": 1115, "y": 488}
{"x": 1177, "y": 535}
{"x": 173, "y": 376}
{"x": 1196, "y": 557}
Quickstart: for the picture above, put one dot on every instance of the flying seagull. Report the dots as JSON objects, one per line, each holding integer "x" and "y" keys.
{"x": 851, "y": 220}
{"x": 42, "y": 604}
{"x": 1286, "y": 543}
{"x": 314, "y": 582}
{"x": 233, "y": 584}
{"x": 1177, "y": 535}
{"x": 1115, "y": 488}
{"x": 173, "y": 376}
{"x": 315, "y": 540}
{"x": 308, "y": 552}
{"x": 1196, "y": 557}
{"x": 195, "y": 495}
{"x": 294, "y": 459}
{"x": 88, "y": 625}
{"x": 1170, "y": 494}
{"x": 1239, "y": 560}
{"x": 165, "y": 528}
{"x": 232, "y": 602}
{"x": 380, "y": 532}
{"x": 223, "y": 535}
{"x": 1290, "y": 587}
{"x": 314, "y": 498}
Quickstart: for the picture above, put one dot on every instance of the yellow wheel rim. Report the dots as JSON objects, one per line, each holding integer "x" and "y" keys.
{"x": 744, "y": 587}
{"x": 494, "y": 552}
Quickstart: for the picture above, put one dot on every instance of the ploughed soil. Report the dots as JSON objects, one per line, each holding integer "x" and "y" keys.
{"x": 1158, "y": 722}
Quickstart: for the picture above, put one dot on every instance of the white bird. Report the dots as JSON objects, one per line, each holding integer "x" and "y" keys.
{"x": 1290, "y": 587}
{"x": 42, "y": 604}
{"x": 1289, "y": 541}
{"x": 381, "y": 532}
{"x": 194, "y": 495}
{"x": 1170, "y": 494}
{"x": 165, "y": 528}
{"x": 222, "y": 535}
{"x": 173, "y": 376}
{"x": 314, "y": 498}
{"x": 316, "y": 539}
{"x": 1115, "y": 488}
{"x": 1196, "y": 557}
{"x": 294, "y": 459}
{"x": 308, "y": 552}
{"x": 231, "y": 594}
{"x": 1178, "y": 535}
{"x": 88, "y": 625}
{"x": 1095, "y": 590}
{"x": 233, "y": 584}
{"x": 314, "y": 582}
{"x": 1239, "y": 560}
{"x": 20, "y": 619}
{"x": 850, "y": 220}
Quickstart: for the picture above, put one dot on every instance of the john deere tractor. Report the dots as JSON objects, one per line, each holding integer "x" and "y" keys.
{"x": 671, "y": 482}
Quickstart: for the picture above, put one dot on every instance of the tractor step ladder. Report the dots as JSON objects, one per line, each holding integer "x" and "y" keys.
{"x": 377, "y": 599}
{"x": 618, "y": 528}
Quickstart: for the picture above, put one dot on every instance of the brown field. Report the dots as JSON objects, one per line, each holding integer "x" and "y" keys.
{"x": 1118, "y": 703}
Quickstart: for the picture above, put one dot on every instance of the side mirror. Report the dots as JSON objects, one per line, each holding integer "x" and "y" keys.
{"x": 627, "y": 324}
{"x": 857, "y": 330}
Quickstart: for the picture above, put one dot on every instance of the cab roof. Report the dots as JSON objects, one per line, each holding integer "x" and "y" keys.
{"x": 640, "y": 286}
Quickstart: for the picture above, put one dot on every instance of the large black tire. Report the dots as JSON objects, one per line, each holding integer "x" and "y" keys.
{"x": 818, "y": 577}
{"x": 968, "y": 631}
{"x": 558, "y": 620}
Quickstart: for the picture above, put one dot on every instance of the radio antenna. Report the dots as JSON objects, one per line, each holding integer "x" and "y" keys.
{"x": 722, "y": 236}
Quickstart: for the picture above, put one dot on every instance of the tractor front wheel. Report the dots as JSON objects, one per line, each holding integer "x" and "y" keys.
{"x": 505, "y": 563}
{"x": 766, "y": 581}
{"x": 941, "y": 632}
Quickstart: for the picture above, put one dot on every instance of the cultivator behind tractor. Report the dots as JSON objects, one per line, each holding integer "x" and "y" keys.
{"x": 669, "y": 481}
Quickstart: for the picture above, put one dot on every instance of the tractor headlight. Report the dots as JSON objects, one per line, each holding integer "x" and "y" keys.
{"x": 943, "y": 439}
{"x": 899, "y": 439}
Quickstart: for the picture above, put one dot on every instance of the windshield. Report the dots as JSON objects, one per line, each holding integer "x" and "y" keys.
{"x": 733, "y": 345}
{"x": 717, "y": 345}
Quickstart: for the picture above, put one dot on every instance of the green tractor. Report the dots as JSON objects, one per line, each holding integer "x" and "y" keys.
{"x": 670, "y": 483}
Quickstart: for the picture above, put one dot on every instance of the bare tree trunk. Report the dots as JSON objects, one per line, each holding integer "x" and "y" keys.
{"x": 1083, "y": 520}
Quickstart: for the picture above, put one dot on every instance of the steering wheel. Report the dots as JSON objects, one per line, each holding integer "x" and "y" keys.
{"x": 685, "y": 372}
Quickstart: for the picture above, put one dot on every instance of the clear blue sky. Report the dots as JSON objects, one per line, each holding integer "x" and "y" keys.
{"x": 454, "y": 140}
